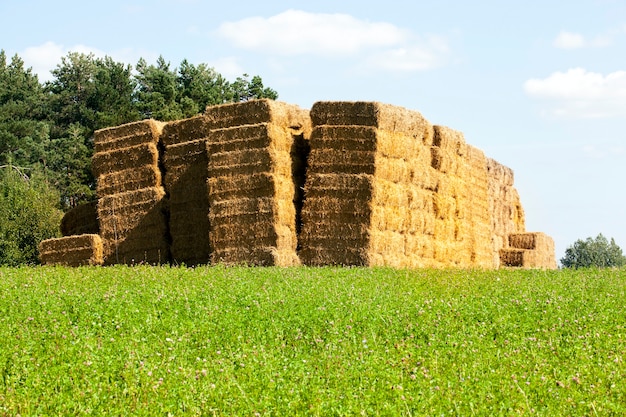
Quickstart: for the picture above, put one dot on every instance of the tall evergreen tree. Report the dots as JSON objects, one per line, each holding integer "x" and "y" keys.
{"x": 23, "y": 133}
{"x": 157, "y": 91}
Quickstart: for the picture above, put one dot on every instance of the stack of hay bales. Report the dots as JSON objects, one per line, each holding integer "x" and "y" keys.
{"x": 529, "y": 250}
{"x": 131, "y": 212}
{"x": 370, "y": 187}
{"x": 253, "y": 162}
{"x": 505, "y": 207}
{"x": 77, "y": 250}
{"x": 80, "y": 220}
{"x": 186, "y": 173}
{"x": 462, "y": 225}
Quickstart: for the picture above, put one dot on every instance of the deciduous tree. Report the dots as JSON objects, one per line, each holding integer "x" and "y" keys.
{"x": 598, "y": 252}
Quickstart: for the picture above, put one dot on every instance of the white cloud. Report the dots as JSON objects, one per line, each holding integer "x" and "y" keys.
{"x": 425, "y": 56}
{"x": 378, "y": 44}
{"x": 579, "y": 93}
{"x": 570, "y": 40}
{"x": 228, "y": 67}
{"x": 44, "y": 58}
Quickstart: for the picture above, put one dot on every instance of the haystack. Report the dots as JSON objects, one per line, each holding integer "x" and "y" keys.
{"x": 186, "y": 173}
{"x": 74, "y": 250}
{"x": 131, "y": 210}
{"x": 255, "y": 166}
{"x": 370, "y": 188}
{"x": 82, "y": 219}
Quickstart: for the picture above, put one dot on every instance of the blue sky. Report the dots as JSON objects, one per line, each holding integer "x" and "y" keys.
{"x": 538, "y": 85}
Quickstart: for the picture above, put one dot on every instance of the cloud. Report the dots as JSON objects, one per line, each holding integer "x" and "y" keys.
{"x": 228, "y": 67}
{"x": 579, "y": 93}
{"x": 44, "y": 58}
{"x": 570, "y": 40}
{"x": 378, "y": 44}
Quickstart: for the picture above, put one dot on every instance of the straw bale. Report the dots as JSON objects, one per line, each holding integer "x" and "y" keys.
{"x": 503, "y": 174}
{"x": 240, "y": 137}
{"x": 513, "y": 257}
{"x": 260, "y": 185}
{"x": 336, "y": 205}
{"x": 80, "y": 220}
{"x": 255, "y": 112}
{"x": 127, "y": 135}
{"x": 449, "y": 140}
{"x": 185, "y": 155}
{"x": 125, "y": 158}
{"x": 130, "y": 179}
{"x": 185, "y": 130}
{"x": 240, "y": 206}
{"x": 390, "y": 246}
{"x": 76, "y": 250}
{"x": 244, "y": 162}
{"x": 382, "y": 116}
{"x": 528, "y": 259}
{"x": 539, "y": 243}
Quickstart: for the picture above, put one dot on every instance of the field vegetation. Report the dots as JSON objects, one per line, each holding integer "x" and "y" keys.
{"x": 311, "y": 341}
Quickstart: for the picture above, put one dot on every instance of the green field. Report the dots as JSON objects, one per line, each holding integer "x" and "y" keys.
{"x": 311, "y": 341}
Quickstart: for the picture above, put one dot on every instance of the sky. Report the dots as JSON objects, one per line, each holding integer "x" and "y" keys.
{"x": 538, "y": 85}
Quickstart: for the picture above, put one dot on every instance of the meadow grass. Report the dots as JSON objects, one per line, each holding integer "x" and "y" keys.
{"x": 150, "y": 341}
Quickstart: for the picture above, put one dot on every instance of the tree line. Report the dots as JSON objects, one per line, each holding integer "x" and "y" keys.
{"x": 48, "y": 127}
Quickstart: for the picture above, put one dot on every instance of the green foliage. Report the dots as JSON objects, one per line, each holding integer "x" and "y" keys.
{"x": 244, "y": 89}
{"x": 598, "y": 252}
{"x": 24, "y": 136}
{"x": 28, "y": 214}
{"x": 157, "y": 91}
{"x": 150, "y": 341}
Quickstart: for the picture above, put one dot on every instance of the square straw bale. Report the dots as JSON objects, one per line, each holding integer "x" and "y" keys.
{"x": 185, "y": 130}
{"x": 382, "y": 116}
{"x": 125, "y": 158}
{"x": 73, "y": 250}
{"x": 255, "y": 112}
{"x": 130, "y": 179}
{"x": 540, "y": 243}
{"x": 127, "y": 135}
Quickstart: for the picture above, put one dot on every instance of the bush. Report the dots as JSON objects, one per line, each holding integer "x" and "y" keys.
{"x": 29, "y": 213}
{"x": 598, "y": 252}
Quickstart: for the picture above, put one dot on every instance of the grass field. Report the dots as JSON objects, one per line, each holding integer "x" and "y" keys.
{"x": 210, "y": 341}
